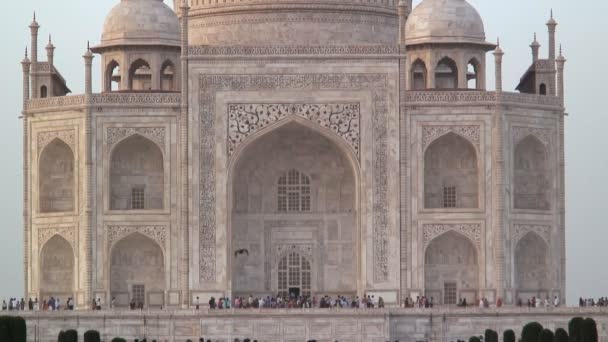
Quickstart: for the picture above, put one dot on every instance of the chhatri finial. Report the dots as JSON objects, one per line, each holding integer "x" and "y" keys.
{"x": 26, "y": 52}
{"x": 34, "y": 15}
{"x": 88, "y": 46}
{"x": 50, "y": 38}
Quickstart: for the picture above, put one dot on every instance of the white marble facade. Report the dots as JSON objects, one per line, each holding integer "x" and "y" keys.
{"x": 291, "y": 149}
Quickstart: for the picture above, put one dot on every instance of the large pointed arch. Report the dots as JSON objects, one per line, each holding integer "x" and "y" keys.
{"x": 451, "y": 173}
{"x": 137, "y": 271}
{"x": 56, "y": 178}
{"x": 451, "y": 268}
{"x": 254, "y": 174}
{"x": 136, "y": 175}
{"x": 532, "y": 265}
{"x": 532, "y": 184}
{"x": 57, "y": 266}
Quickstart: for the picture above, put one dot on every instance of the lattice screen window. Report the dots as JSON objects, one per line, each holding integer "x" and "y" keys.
{"x": 294, "y": 272}
{"x": 449, "y": 197}
{"x": 449, "y": 293}
{"x": 293, "y": 192}
{"x": 137, "y": 198}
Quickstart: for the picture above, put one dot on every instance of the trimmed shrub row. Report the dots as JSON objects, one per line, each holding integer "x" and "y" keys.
{"x": 12, "y": 329}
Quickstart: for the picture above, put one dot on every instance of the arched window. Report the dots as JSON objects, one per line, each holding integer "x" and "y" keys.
{"x": 113, "y": 77}
{"x": 167, "y": 76}
{"x": 56, "y": 178}
{"x": 136, "y": 175}
{"x": 293, "y": 192}
{"x": 451, "y": 269}
{"x": 531, "y": 175}
{"x": 57, "y": 269}
{"x": 294, "y": 276}
{"x": 418, "y": 75}
{"x": 473, "y": 74}
{"x": 542, "y": 89}
{"x": 43, "y": 92}
{"x": 140, "y": 75}
{"x": 450, "y": 173}
{"x": 446, "y": 74}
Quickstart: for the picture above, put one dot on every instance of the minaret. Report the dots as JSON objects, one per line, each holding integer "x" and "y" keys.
{"x": 34, "y": 47}
{"x": 185, "y": 257}
{"x": 88, "y": 77}
{"x": 560, "y": 61}
{"x": 498, "y": 66}
{"x": 25, "y": 64}
{"x": 50, "y": 52}
{"x": 535, "y": 49}
{"x": 551, "y": 24}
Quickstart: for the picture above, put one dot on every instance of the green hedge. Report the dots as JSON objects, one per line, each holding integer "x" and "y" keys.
{"x": 561, "y": 335}
{"x": 118, "y": 339}
{"x": 575, "y": 329}
{"x": 546, "y": 336}
{"x": 71, "y": 336}
{"x": 61, "y": 336}
{"x": 509, "y": 336}
{"x": 531, "y": 331}
{"x": 13, "y": 329}
{"x": 474, "y": 339}
{"x": 92, "y": 336}
{"x": 589, "y": 331}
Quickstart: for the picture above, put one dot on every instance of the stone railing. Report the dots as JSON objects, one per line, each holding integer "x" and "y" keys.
{"x": 297, "y": 51}
{"x": 58, "y": 102}
{"x": 463, "y": 98}
{"x": 104, "y": 99}
{"x": 136, "y": 99}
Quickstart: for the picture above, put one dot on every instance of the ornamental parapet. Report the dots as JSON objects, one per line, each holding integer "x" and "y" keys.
{"x": 298, "y": 51}
{"x": 75, "y": 102}
{"x": 433, "y": 98}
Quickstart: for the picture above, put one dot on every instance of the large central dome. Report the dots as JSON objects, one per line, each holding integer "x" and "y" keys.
{"x": 293, "y": 22}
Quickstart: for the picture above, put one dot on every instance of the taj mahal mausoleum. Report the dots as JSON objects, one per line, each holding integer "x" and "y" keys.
{"x": 294, "y": 149}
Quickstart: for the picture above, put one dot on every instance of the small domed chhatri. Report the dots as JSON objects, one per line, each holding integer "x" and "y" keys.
{"x": 445, "y": 21}
{"x": 294, "y": 148}
{"x": 141, "y": 22}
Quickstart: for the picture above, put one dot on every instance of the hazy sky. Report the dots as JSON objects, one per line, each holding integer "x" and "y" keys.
{"x": 582, "y": 30}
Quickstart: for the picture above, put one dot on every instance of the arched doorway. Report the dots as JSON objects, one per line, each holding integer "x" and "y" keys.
{"x": 451, "y": 174}
{"x": 136, "y": 175}
{"x": 446, "y": 74}
{"x": 294, "y": 278}
{"x": 137, "y": 272}
{"x": 451, "y": 269}
{"x": 56, "y": 178}
{"x": 531, "y": 175}
{"x": 531, "y": 266}
{"x": 293, "y": 188}
{"x": 57, "y": 269}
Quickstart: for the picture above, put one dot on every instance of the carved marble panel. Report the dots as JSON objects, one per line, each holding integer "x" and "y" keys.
{"x": 46, "y": 233}
{"x": 470, "y": 230}
{"x": 157, "y": 233}
{"x": 542, "y": 134}
{"x": 431, "y": 132}
{"x": 116, "y": 134}
{"x": 245, "y": 119}
{"x": 520, "y": 230}
{"x": 67, "y": 136}
{"x": 210, "y": 84}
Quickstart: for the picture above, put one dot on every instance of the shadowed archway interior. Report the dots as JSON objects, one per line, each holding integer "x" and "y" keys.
{"x": 294, "y": 189}
{"x": 57, "y": 269}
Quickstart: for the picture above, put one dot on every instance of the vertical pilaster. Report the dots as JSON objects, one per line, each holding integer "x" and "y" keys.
{"x": 498, "y": 180}
{"x": 183, "y": 122}
{"x": 26, "y": 210}
{"x": 88, "y": 226}
{"x": 562, "y": 178}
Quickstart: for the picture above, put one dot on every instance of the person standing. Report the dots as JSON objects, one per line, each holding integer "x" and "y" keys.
{"x": 197, "y": 303}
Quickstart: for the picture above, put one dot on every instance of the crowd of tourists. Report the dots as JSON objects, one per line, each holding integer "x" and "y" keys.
{"x": 535, "y": 302}
{"x": 291, "y": 302}
{"x": 51, "y": 304}
{"x": 591, "y": 302}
